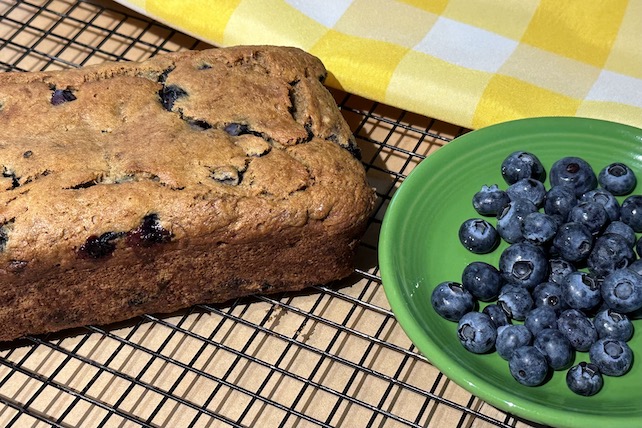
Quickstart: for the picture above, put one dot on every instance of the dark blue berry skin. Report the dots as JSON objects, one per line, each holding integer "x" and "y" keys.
{"x": 577, "y": 328}
{"x": 476, "y": 332}
{"x": 490, "y": 200}
{"x": 573, "y": 172}
{"x": 613, "y": 357}
{"x": 610, "y": 252}
{"x": 590, "y": 214}
{"x": 614, "y": 325}
{"x": 527, "y": 188}
{"x": 497, "y": 315}
{"x": 558, "y": 269}
{"x": 584, "y": 379}
{"x": 520, "y": 165}
{"x": 510, "y": 219}
{"x": 573, "y": 242}
{"x": 97, "y": 247}
{"x": 559, "y": 201}
{"x": 622, "y": 290}
{"x": 516, "y": 301}
{"x": 620, "y": 228}
{"x": 523, "y": 264}
{"x": 617, "y": 178}
{"x": 606, "y": 199}
{"x": 61, "y": 96}
{"x": 636, "y": 266}
{"x": 478, "y": 236}
{"x": 169, "y": 95}
{"x": 539, "y": 228}
{"x": 236, "y": 129}
{"x": 451, "y": 301}
{"x": 556, "y": 348}
{"x": 528, "y": 366}
{"x": 549, "y": 294}
{"x": 631, "y": 212}
{"x": 540, "y": 318}
{"x": 482, "y": 280}
{"x": 581, "y": 291}
{"x": 511, "y": 337}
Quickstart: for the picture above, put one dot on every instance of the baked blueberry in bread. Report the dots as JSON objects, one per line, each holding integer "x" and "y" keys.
{"x": 192, "y": 177}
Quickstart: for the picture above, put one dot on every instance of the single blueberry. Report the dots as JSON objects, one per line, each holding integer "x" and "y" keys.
{"x": 451, "y": 301}
{"x": 516, "y": 301}
{"x": 622, "y": 290}
{"x": 527, "y": 188}
{"x": 584, "y": 379}
{"x": 169, "y": 94}
{"x": 540, "y": 318}
{"x": 511, "y": 337}
{"x": 478, "y": 236}
{"x": 549, "y": 294}
{"x": 523, "y": 264}
{"x": 573, "y": 242}
{"x": 559, "y": 201}
{"x": 610, "y": 252}
{"x": 539, "y": 228}
{"x": 558, "y": 269}
{"x": 617, "y": 178}
{"x": 490, "y": 200}
{"x": 476, "y": 332}
{"x": 581, "y": 291}
{"x": 615, "y": 325}
{"x": 528, "y": 366}
{"x": 520, "y": 165}
{"x": 97, "y": 247}
{"x": 590, "y": 214}
{"x": 236, "y": 129}
{"x": 482, "y": 280}
{"x": 577, "y": 328}
{"x": 613, "y": 357}
{"x": 606, "y": 199}
{"x": 556, "y": 348}
{"x": 497, "y": 315}
{"x": 510, "y": 219}
{"x": 61, "y": 96}
{"x": 631, "y": 212}
{"x": 621, "y": 228}
{"x": 573, "y": 172}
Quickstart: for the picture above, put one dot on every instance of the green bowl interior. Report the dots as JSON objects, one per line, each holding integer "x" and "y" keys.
{"x": 419, "y": 248}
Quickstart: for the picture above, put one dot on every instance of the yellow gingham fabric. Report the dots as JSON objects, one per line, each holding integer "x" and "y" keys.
{"x": 468, "y": 62}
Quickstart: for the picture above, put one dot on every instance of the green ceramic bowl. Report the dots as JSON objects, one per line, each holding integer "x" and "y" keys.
{"x": 419, "y": 248}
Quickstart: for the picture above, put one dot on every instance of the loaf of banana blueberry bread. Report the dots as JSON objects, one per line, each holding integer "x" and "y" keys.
{"x": 191, "y": 177}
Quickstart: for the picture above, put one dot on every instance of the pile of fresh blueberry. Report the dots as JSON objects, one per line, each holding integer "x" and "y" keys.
{"x": 569, "y": 281}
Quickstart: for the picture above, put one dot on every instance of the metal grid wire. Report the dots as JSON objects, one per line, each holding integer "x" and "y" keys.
{"x": 330, "y": 356}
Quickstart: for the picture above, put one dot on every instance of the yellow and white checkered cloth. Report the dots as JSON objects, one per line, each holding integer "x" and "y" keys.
{"x": 468, "y": 62}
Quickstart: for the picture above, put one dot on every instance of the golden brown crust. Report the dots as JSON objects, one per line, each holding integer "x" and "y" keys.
{"x": 192, "y": 177}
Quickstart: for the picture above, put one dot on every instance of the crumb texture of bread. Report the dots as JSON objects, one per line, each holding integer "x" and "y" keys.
{"x": 191, "y": 177}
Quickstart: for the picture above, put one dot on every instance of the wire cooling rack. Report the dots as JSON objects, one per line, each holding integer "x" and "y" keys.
{"x": 330, "y": 356}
